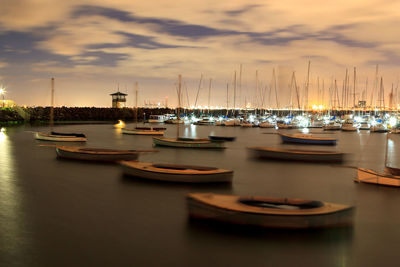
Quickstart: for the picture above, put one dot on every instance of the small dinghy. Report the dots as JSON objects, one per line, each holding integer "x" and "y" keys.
{"x": 188, "y": 143}
{"x": 95, "y": 154}
{"x": 61, "y": 137}
{"x": 176, "y": 173}
{"x": 307, "y": 139}
{"x": 296, "y": 154}
{"x": 269, "y": 212}
{"x": 222, "y": 138}
{"x": 143, "y": 131}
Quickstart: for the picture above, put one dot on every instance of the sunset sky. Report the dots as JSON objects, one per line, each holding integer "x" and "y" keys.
{"x": 90, "y": 47}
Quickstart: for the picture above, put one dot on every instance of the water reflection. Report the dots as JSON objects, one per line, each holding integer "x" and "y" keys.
{"x": 326, "y": 247}
{"x": 10, "y": 218}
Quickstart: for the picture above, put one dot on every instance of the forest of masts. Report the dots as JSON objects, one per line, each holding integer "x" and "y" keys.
{"x": 335, "y": 94}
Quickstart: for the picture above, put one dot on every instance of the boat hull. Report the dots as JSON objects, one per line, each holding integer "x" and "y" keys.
{"x": 99, "y": 156}
{"x": 373, "y": 177}
{"x": 58, "y": 138}
{"x": 296, "y": 155}
{"x": 146, "y": 170}
{"x": 188, "y": 144}
{"x": 227, "y": 209}
{"x": 141, "y": 132}
{"x": 307, "y": 140}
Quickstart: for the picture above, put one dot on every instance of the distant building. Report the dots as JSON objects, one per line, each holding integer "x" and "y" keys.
{"x": 118, "y": 100}
{"x": 362, "y": 104}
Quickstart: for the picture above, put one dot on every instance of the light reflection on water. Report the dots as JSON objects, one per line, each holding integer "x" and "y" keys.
{"x": 9, "y": 200}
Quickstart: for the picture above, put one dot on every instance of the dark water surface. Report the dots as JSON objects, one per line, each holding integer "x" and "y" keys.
{"x": 65, "y": 213}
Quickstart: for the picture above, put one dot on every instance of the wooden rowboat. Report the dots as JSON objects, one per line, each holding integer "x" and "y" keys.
{"x": 306, "y": 139}
{"x": 373, "y": 177}
{"x": 185, "y": 143}
{"x": 296, "y": 154}
{"x": 142, "y": 131}
{"x": 95, "y": 154}
{"x": 60, "y": 137}
{"x": 269, "y": 212}
{"x": 176, "y": 173}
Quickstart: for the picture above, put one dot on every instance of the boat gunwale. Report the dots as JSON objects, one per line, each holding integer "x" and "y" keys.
{"x": 78, "y": 150}
{"x": 295, "y": 151}
{"x": 305, "y": 137}
{"x": 148, "y": 167}
{"x": 172, "y": 140}
{"x": 242, "y": 208}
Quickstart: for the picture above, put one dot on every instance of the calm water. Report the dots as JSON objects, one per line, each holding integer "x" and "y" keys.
{"x": 65, "y": 213}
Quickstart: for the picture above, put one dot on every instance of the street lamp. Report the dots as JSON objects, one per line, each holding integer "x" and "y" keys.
{"x": 2, "y": 92}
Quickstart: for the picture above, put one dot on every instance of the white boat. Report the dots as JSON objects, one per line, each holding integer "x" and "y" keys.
{"x": 364, "y": 126}
{"x": 157, "y": 118}
{"x": 188, "y": 143}
{"x": 175, "y": 173}
{"x": 332, "y": 126}
{"x": 296, "y": 154}
{"x": 205, "y": 121}
{"x": 348, "y": 126}
{"x": 60, "y": 137}
{"x": 268, "y": 212}
{"x": 95, "y": 154}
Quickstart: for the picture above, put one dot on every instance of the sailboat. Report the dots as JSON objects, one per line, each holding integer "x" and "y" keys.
{"x": 56, "y": 136}
{"x": 390, "y": 176}
{"x": 186, "y": 142}
{"x": 142, "y": 130}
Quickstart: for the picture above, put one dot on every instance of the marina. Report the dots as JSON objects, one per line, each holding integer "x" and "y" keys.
{"x": 199, "y": 133}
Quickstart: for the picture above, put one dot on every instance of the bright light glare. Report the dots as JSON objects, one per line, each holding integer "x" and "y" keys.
{"x": 392, "y": 121}
{"x": 120, "y": 124}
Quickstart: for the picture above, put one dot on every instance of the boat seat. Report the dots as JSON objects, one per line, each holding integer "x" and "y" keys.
{"x": 281, "y": 203}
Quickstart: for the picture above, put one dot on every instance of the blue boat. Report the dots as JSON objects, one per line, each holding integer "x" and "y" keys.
{"x": 307, "y": 139}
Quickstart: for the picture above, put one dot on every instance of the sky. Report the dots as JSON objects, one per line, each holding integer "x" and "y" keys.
{"x": 93, "y": 48}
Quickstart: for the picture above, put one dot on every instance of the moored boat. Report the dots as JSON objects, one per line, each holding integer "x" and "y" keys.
{"x": 142, "y": 131}
{"x": 269, "y": 212}
{"x": 188, "y": 143}
{"x": 307, "y": 139}
{"x": 95, "y": 154}
{"x": 60, "y": 137}
{"x": 296, "y": 154}
{"x": 374, "y": 177}
{"x": 175, "y": 172}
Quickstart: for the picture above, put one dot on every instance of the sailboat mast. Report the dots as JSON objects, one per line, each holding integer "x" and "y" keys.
{"x": 307, "y": 85}
{"x": 209, "y": 94}
{"x": 52, "y": 104}
{"x": 354, "y": 88}
{"x": 234, "y": 93}
{"x": 136, "y": 103}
